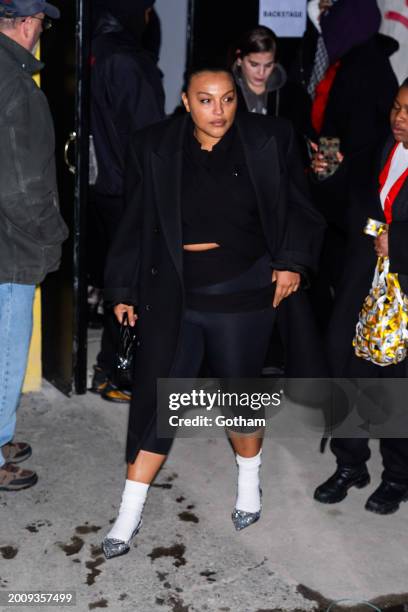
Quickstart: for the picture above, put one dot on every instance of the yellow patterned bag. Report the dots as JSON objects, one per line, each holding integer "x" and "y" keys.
{"x": 382, "y": 329}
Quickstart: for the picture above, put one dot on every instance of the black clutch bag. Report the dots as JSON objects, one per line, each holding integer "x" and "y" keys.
{"x": 125, "y": 354}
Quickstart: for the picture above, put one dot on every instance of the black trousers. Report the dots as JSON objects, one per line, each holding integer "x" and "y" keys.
{"x": 231, "y": 344}
{"x": 234, "y": 345}
{"x": 356, "y": 451}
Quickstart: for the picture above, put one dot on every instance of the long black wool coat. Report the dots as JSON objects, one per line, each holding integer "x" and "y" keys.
{"x": 144, "y": 266}
{"x": 360, "y": 260}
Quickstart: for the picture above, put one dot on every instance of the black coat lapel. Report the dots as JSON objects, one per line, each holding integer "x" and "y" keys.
{"x": 385, "y": 152}
{"x": 261, "y": 153}
{"x": 167, "y": 166}
{"x": 400, "y": 206}
{"x": 380, "y": 159}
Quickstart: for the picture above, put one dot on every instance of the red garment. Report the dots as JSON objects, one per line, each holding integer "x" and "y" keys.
{"x": 395, "y": 189}
{"x": 322, "y": 97}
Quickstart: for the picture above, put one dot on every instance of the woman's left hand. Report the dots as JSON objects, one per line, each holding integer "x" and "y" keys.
{"x": 286, "y": 283}
{"x": 381, "y": 245}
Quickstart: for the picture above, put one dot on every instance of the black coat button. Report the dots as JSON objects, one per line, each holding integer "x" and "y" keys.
{"x": 156, "y": 230}
{"x": 154, "y": 271}
{"x": 148, "y": 307}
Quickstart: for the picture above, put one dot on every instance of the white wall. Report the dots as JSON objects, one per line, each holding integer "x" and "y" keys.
{"x": 173, "y": 17}
{"x": 395, "y": 23}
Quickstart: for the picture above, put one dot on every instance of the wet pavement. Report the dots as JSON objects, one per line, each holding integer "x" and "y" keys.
{"x": 187, "y": 556}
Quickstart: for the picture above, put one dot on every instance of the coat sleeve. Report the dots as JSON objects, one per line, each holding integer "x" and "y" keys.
{"x": 305, "y": 226}
{"x": 398, "y": 246}
{"x": 331, "y": 195}
{"x": 123, "y": 260}
{"x": 29, "y": 198}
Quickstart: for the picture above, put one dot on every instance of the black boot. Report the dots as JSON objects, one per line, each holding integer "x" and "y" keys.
{"x": 387, "y": 497}
{"x": 335, "y": 488}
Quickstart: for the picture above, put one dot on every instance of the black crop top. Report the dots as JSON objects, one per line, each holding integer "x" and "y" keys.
{"x": 218, "y": 205}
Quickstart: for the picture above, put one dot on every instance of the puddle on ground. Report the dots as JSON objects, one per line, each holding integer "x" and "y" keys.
{"x": 36, "y": 525}
{"x": 73, "y": 547}
{"x": 95, "y": 572}
{"x": 102, "y": 603}
{"x": 177, "y": 604}
{"x": 8, "y": 552}
{"x": 87, "y": 528}
{"x": 96, "y": 550}
{"x": 209, "y": 575}
{"x": 188, "y": 517}
{"x": 177, "y": 551}
{"x": 173, "y": 600}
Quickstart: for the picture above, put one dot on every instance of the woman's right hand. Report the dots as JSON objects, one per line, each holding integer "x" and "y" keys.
{"x": 121, "y": 309}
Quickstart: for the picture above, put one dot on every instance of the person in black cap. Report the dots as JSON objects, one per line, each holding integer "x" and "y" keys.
{"x": 126, "y": 95}
{"x": 31, "y": 228}
{"x": 18, "y": 12}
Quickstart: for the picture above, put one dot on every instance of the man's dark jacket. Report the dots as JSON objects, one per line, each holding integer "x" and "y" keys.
{"x": 361, "y": 96}
{"x": 144, "y": 266}
{"x": 127, "y": 95}
{"x": 31, "y": 227}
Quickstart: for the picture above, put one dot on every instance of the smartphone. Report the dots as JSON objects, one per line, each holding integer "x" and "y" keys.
{"x": 329, "y": 147}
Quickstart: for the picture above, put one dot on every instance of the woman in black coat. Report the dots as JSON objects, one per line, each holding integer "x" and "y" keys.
{"x": 378, "y": 189}
{"x": 217, "y": 227}
{"x": 296, "y": 343}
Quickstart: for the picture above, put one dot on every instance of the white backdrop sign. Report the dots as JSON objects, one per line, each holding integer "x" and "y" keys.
{"x": 286, "y": 18}
{"x": 395, "y": 24}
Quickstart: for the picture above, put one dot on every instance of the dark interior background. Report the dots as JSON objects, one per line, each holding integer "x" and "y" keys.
{"x": 215, "y": 25}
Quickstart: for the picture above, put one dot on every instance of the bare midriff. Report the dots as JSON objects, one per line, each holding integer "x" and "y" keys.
{"x": 204, "y": 246}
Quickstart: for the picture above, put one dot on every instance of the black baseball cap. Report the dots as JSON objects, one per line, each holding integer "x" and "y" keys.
{"x": 26, "y": 8}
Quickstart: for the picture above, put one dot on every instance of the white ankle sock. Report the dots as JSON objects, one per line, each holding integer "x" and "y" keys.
{"x": 248, "y": 497}
{"x": 130, "y": 511}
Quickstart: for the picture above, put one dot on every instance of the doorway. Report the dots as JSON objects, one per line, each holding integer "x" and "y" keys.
{"x": 65, "y": 81}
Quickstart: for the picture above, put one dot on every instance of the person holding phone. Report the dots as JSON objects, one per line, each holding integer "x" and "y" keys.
{"x": 340, "y": 57}
{"x": 376, "y": 185}
{"x": 218, "y": 230}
